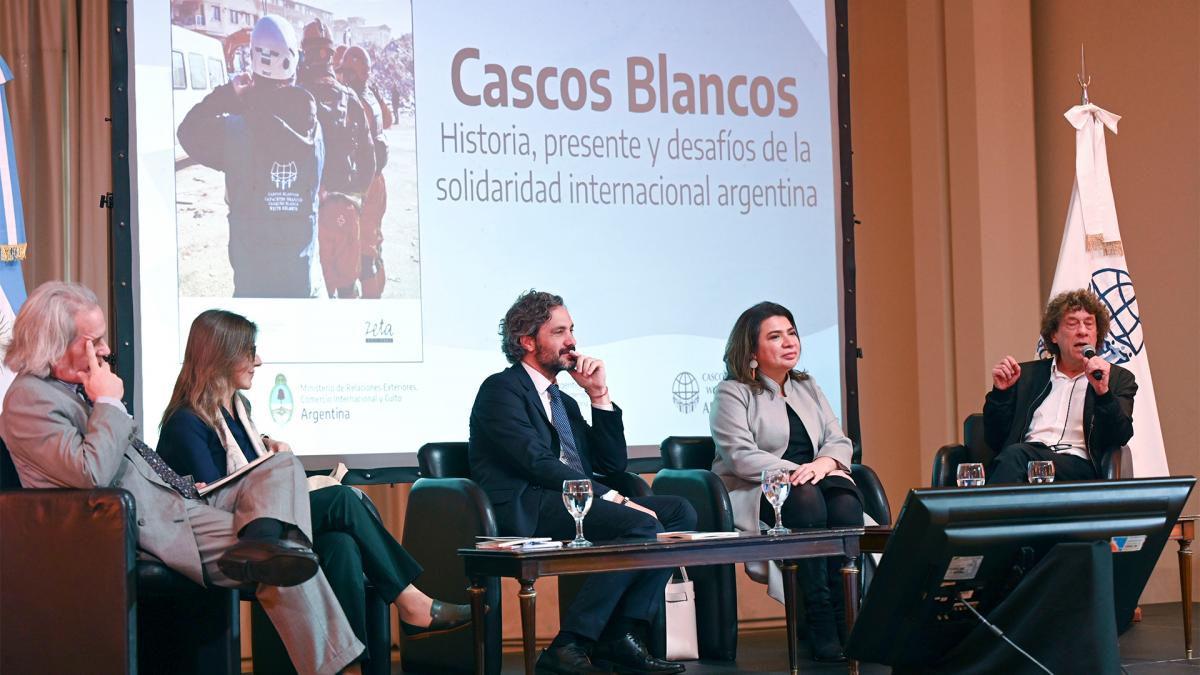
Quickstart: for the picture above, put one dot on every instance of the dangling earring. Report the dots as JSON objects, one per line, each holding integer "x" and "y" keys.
{"x": 753, "y": 368}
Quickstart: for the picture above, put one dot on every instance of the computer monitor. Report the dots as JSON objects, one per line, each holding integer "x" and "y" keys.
{"x": 980, "y": 541}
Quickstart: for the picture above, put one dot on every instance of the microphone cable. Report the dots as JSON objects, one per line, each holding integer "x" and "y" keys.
{"x": 999, "y": 633}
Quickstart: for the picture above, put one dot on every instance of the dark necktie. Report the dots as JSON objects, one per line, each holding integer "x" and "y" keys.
{"x": 183, "y": 485}
{"x": 566, "y": 439}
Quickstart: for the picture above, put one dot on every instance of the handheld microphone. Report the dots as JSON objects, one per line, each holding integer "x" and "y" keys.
{"x": 1089, "y": 352}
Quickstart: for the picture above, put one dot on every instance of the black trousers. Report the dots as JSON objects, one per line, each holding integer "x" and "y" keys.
{"x": 630, "y": 594}
{"x": 833, "y": 502}
{"x": 352, "y": 542}
{"x": 1011, "y": 465}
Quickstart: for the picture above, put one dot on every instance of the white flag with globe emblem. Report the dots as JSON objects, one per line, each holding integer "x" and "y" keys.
{"x": 1092, "y": 256}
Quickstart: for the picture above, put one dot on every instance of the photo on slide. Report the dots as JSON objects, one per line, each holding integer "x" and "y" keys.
{"x": 295, "y": 177}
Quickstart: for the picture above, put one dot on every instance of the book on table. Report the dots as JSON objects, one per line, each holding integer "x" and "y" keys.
{"x": 693, "y": 535}
{"x": 517, "y": 543}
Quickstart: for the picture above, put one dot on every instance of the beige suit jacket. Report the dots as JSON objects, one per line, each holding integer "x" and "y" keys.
{"x": 56, "y": 441}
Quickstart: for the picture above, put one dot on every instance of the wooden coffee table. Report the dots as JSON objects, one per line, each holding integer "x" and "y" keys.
{"x": 1184, "y": 532}
{"x": 528, "y": 566}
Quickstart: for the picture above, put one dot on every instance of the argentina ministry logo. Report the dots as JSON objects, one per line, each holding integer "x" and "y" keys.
{"x": 685, "y": 392}
{"x": 280, "y": 403}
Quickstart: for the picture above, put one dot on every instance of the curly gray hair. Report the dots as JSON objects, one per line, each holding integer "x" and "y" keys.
{"x": 45, "y": 326}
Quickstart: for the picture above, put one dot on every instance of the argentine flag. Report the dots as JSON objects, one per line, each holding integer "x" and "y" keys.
{"x": 1092, "y": 256}
{"x": 12, "y": 230}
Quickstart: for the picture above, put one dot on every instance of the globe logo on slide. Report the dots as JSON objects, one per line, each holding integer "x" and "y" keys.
{"x": 280, "y": 403}
{"x": 685, "y": 391}
{"x": 283, "y": 175}
{"x": 1114, "y": 287}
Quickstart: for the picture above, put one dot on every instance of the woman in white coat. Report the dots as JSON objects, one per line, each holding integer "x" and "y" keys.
{"x": 768, "y": 415}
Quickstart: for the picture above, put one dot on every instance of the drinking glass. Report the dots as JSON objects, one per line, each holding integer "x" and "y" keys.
{"x": 776, "y": 486}
{"x": 970, "y": 474}
{"x": 1040, "y": 471}
{"x": 577, "y": 496}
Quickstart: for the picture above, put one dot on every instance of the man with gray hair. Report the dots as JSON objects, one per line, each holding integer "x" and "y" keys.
{"x": 65, "y": 427}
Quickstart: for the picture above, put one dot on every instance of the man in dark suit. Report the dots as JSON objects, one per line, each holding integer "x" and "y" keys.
{"x": 1072, "y": 409}
{"x": 65, "y": 426}
{"x": 527, "y": 437}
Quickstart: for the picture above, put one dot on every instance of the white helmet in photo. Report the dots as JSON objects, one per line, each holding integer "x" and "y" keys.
{"x": 274, "y": 51}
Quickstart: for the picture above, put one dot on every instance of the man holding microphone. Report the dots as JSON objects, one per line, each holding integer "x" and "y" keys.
{"x": 1071, "y": 409}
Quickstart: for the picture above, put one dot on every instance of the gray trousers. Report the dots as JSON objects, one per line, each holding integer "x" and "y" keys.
{"x": 309, "y": 619}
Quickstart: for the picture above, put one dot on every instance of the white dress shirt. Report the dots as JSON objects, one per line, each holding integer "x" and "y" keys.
{"x": 1058, "y": 421}
{"x": 542, "y": 385}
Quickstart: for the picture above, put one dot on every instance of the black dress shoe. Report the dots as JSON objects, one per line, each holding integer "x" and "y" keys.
{"x": 828, "y": 654}
{"x": 567, "y": 660}
{"x": 445, "y": 619}
{"x": 627, "y": 654}
{"x": 274, "y": 562}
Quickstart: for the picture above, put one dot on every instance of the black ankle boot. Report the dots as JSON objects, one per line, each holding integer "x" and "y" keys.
{"x": 822, "y": 630}
{"x": 837, "y": 597}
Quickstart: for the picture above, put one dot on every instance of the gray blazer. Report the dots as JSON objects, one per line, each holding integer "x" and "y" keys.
{"x": 56, "y": 443}
{"x": 57, "y": 440}
{"x": 751, "y": 434}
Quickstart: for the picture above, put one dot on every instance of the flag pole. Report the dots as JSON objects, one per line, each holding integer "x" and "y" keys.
{"x": 1082, "y": 77}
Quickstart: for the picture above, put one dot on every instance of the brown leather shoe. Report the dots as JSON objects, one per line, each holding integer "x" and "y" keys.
{"x": 274, "y": 562}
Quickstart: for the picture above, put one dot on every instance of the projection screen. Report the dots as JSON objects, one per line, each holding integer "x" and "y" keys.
{"x": 662, "y": 166}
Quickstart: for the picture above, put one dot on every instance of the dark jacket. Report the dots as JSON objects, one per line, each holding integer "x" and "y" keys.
{"x": 349, "y": 143}
{"x": 514, "y": 448}
{"x": 268, "y": 143}
{"x": 192, "y": 448}
{"x": 1107, "y": 419}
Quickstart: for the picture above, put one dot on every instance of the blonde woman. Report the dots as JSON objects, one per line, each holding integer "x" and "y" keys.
{"x": 207, "y": 432}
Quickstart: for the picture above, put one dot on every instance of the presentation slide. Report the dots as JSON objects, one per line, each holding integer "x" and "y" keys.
{"x": 662, "y": 166}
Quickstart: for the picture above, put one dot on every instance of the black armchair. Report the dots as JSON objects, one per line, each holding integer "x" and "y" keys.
{"x": 65, "y": 549}
{"x": 67, "y": 568}
{"x": 447, "y": 511}
{"x": 687, "y": 461}
{"x": 1115, "y": 465}
{"x": 875, "y": 501}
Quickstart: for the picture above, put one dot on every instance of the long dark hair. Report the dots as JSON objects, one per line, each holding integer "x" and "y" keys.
{"x": 743, "y": 340}
{"x": 218, "y": 343}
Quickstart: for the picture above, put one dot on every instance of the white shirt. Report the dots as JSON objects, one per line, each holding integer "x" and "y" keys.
{"x": 542, "y": 385}
{"x": 1058, "y": 421}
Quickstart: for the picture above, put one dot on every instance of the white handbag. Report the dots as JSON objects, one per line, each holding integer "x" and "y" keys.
{"x": 682, "y": 644}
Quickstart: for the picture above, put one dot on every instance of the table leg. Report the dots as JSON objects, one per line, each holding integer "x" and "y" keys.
{"x": 1185, "y": 585}
{"x": 850, "y": 587}
{"x": 788, "y": 567}
{"x": 528, "y": 597}
{"x": 478, "y": 593}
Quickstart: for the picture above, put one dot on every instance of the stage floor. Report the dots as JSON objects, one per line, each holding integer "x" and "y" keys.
{"x": 1151, "y": 647}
